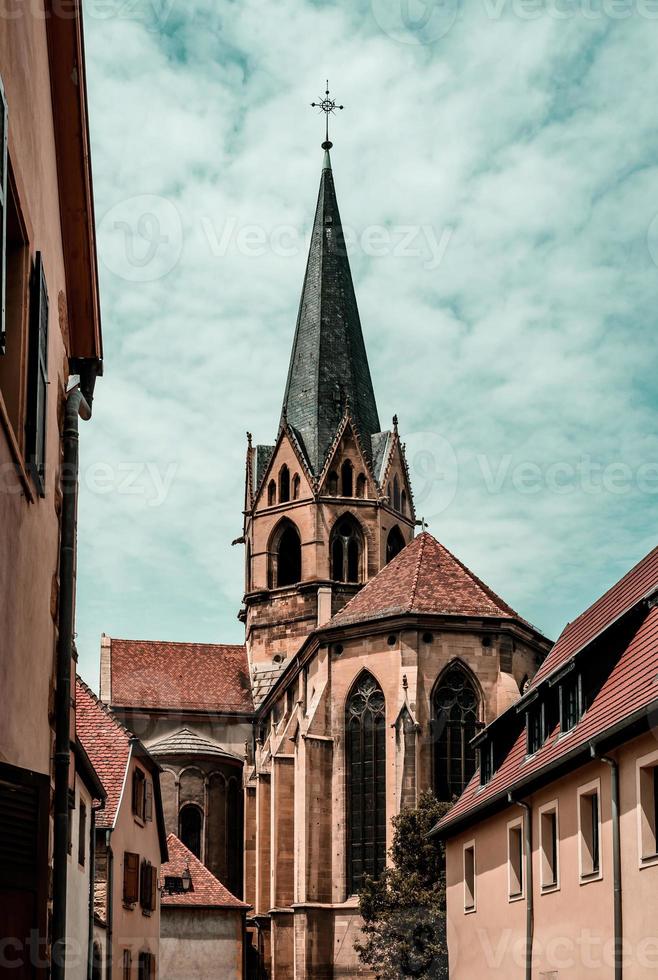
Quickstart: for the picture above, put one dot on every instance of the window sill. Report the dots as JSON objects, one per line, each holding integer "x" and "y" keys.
{"x": 516, "y": 898}
{"x": 470, "y": 910}
{"x": 648, "y": 861}
{"x": 146, "y": 913}
{"x": 129, "y": 906}
{"x": 548, "y": 889}
{"x": 592, "y": 876}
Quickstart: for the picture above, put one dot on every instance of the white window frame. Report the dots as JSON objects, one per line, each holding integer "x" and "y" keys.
{"x": 469, "y": 909}
{"x": 649, "y": 761}
{"x": 589, "y": 789}
{"x": 516, "y": 824}
{"x": 552, "y": 807}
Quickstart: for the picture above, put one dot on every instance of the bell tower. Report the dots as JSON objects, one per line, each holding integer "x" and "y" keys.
{"x": 329, "y": 503}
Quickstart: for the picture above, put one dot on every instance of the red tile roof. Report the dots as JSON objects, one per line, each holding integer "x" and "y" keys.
{"x": 193, "y": 676}
{"x": 206, "y": 890}
{"x": 640, "y": 582}
{"x": 107, "y": 743}
{"x": 424, "y": 578}
{"x": 631, "y": 686}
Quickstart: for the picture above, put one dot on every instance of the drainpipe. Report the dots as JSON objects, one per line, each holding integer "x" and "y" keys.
{"x": 92, "y": 881}
{"x": 109, "y": 936}
{"x": 76, "y": 407}
{"x": 529, "y": 884}
{"x": 616, "y": 858}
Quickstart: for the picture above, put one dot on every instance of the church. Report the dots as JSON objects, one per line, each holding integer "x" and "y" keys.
{"x": 372, "y": 656}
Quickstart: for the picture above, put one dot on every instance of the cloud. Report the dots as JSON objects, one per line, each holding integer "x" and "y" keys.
{"x": 530, "y": 349}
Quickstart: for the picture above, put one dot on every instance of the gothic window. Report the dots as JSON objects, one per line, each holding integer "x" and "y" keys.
{"x": 271, "y": 493}
{"x": 284, "y": 484}
{"x": 396, "y": 493}
{"x": 190, "y": 822}
{"x": 285, "y": 556}
{"x": 247, "y": 568}
{"x": 332, "y": 484}
{"x": 361, "y": 485}
{"x": 296, "y": 482}
{"x": 403, "y": 503}
{"x": 365, "y": 748}
{"x": 455, "y": 707}
{"x": 394, "y": 543}
{"x": 346, "y": 550}
{"x": 347, "y": 479}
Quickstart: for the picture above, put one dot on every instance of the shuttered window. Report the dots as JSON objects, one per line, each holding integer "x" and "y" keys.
{"x": 148, "y": 800}
{"x": 146, "y": 969}
{"x": 130, "y": 878}
{"x": 3, "y": 214}
{"x": 35, "y": 422}
{"x": 82, "y": 833}
{"x": 148, "y": 886}
{"x": 19, "y": 821}
{"x": 366, "y": 779}
{"x": 139, "y": 793}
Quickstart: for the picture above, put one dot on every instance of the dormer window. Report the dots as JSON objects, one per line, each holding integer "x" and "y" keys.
{"x": 487, "y": 767}
{"x": 536, "y": 728}
{"x": 571, "y": 701}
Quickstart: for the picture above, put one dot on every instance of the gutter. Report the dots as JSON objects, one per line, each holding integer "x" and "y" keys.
{"x": 616, "y": 859}
{"x": 529, "y": 883}
{"x": 76, "y": 407}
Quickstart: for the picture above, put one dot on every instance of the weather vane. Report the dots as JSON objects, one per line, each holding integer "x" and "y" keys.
{"x": 326, "y": 105}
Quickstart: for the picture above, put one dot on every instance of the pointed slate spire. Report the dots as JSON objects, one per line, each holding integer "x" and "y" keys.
{"x": 328, "y": 366}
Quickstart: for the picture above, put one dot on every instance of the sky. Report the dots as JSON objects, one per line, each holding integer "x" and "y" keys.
{"x": 496, "y": 170}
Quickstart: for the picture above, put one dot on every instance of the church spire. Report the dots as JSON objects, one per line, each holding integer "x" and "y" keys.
{"x": 328, "y": 366}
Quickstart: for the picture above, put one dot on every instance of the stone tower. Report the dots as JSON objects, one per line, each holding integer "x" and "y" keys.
{"x": 329, "y": 504}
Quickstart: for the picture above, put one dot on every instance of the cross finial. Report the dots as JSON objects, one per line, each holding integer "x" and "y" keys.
{"x": 326, "y": 105}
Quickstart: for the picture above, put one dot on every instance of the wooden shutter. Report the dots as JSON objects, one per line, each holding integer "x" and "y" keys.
{"x": 138, "y": 793}
{"x": 3, "y": 213}
{"x": 82, "y": 833}
{"x": 130, "y": 878}
{"x": 154, "y": 888}
{"x": 35, "y": 424}
{"x": 19, "y": 824}
{"x": 148, "y": 800}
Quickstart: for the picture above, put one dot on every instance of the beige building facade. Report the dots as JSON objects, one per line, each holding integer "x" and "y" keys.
{"x": 551, "y": 852}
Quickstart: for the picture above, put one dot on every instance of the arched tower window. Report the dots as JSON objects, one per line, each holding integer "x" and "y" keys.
{"x": 347, "y": 479}
{"x": 285, "y": 556}
{"x": 455, "y": 708}
{"x": 296, "y": 483}
{"x": 365, "y": 756}
{"x": 394, "y": 543}
{"x": 271, "y": 493}
{"x": 396, "y": 493}
{"x": 284, "y": 484}
{"x": 346, "y": 550}
{"x": 403, "y": 503}
{"x": 361, "y": 485}
{"x": 247, "y": 568}
{"x": 190, "y": 822}
{"x": 332, "y": 483}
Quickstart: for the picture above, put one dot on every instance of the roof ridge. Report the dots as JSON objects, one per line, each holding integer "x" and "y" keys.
{"x": 414, "y": 585}
{"x": 105, "y": 708}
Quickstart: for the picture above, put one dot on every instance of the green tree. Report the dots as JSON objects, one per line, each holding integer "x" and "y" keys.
{"x": 404, "y": 930}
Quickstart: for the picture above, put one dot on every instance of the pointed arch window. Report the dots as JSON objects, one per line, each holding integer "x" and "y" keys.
{"x": 296, "y": 484}
{"x": 403, "y": 503}
{"x": 284, "y": 484}
{"x": 361, "y": 486}
{"x": 332, "y": 483}
{"x": 271, "y": 493}
{"x": 365, "y": 747}
{"x": 455, "y": 708}
{"x": 346, "y": 550}
{"x": 285, "y": 556}
{"x": 190, "y": 821}
{"x": 347, "y": 479}
{"x": 396, "y": 493}
{"x": 394, "y": 543}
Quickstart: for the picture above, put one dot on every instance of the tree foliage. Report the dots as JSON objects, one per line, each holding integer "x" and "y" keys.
{"x": 404, "y": 930}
